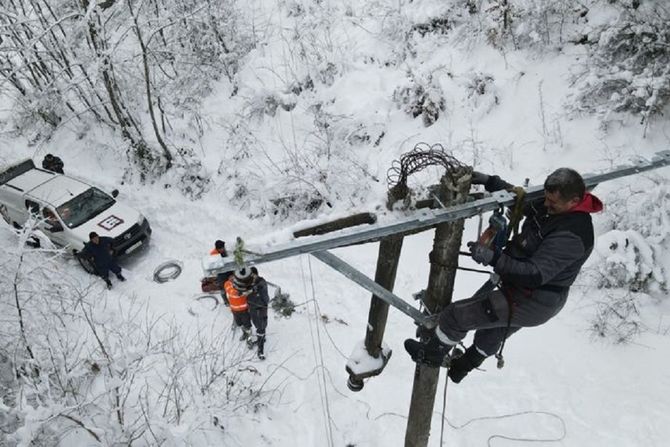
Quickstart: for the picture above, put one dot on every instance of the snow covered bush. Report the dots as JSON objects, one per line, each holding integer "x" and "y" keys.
{"x": 190, "y": 176}
{"x": 631, "y": 259}
{"x": 617, "y": 318}
{"x": 633, "y": 247}
{"x": 421, "y": 97}
{"x": 267, "y": 103}
{"x": 520, "y": 23}
{"x": 628, "y": 261}
{"x": 628, "y": 68}
{"x": 482, "y": 92}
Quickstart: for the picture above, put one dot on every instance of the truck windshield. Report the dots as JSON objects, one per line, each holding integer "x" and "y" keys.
{"x": 84, "y": 207}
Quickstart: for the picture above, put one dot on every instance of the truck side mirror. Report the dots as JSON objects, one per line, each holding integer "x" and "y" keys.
{"x": 115, "y": 193}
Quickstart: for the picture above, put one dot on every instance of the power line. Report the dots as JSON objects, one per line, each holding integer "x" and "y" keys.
{"x": 318, "y": 336}
{"x": 318, "y": 354}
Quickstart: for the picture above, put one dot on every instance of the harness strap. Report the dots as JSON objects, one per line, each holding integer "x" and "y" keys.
{"x": 510, "y": 306}
{"x": 512, "y": 230}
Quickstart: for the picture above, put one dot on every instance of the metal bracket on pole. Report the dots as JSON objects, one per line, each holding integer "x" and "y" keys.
{"x": 367, "y": 283}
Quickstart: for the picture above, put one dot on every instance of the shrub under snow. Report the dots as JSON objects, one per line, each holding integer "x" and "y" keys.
{"x": 631, "y": 258}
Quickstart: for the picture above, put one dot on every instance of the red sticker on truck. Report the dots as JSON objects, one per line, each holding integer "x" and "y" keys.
{"x": 110, "y": 222}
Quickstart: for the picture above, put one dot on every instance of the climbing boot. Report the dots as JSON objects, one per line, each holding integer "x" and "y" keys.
{"x": 251, "y": 341}
{"x": 108, "y": 282}
{"x": 120, "y": 277}
{"x": 461, "y": 366}
{"x": 245, "y": 334}
{"x": 431, "y": 352}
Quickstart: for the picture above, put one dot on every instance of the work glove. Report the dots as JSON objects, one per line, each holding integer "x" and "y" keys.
{"x": 482, "y": 254}
{"x": 479, "y": 178}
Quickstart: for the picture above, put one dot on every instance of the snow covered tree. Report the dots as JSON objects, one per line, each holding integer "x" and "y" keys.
{"x": 139, "y": 68}
{"x": 78, "y": 366}
{"x": 628, "y": 68}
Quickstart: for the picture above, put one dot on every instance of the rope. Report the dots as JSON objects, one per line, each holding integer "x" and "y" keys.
{"x": 320, "y": 379}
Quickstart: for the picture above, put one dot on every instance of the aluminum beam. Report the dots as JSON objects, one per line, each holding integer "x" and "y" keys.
{"x": 355, "y": 235}
{"x": 367, "y": 283}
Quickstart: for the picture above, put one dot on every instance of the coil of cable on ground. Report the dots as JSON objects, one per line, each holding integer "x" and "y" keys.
{"x": 167, "y": 271}
{"x": 203, "y": 301}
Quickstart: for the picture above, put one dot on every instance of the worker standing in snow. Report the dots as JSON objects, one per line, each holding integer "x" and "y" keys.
{"x": 237, "y": 287}
{"x": 536, "y": 269}
{"x": 259, "y": 300}
{"x": 220, "y": 250}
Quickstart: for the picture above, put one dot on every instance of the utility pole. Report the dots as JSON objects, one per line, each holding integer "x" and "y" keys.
{"x": 443, "y": 263}
{"x": 387, "y": 268}
{"x": 385, "y": 275}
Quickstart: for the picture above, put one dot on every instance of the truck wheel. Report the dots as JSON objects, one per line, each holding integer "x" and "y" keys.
{"x": 85, "y": 263}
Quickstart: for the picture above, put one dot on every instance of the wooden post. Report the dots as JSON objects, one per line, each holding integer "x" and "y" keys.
{"x": 443, "y": 263}
{"x": 338, "y": 224}
{"x": 387, "y": 267}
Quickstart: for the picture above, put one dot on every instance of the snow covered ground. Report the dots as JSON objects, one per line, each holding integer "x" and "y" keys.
{"x": 561, "y": 384}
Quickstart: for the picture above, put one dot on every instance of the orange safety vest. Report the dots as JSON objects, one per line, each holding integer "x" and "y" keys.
{"x": 214, "y": 251}
{"x": 237, "y": 301}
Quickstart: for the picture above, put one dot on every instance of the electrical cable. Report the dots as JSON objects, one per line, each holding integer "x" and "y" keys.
{"x": 444, "y": 407}
{"x": 318, "y": 336}
{"x": 339, "y": 351}
{"x": 559, "y": 438}
{"x": 203, "y": 297}
{"x": 319, "y": 378}
{"x": 167, "y": 271}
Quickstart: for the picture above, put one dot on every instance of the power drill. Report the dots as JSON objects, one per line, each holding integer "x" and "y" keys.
{"x": 495, "y": 236}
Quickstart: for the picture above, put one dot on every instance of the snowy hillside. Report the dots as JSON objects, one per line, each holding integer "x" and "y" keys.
{"x": 267, "y": 116}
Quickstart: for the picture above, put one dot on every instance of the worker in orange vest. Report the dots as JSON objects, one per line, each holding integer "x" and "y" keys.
{"x": 220, "y": 249}
{"x": 237, "y": 287}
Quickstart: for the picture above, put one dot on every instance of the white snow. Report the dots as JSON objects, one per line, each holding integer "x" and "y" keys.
{"x": 561, "y": 385}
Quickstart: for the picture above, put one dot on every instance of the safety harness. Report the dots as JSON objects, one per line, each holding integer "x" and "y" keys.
{"x": 496, "y": 237}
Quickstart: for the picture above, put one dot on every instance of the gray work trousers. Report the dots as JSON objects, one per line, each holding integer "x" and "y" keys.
{"x": 487, "y": 313}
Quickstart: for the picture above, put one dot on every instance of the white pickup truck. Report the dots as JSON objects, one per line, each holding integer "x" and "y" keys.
{"x": 67, "y": 210}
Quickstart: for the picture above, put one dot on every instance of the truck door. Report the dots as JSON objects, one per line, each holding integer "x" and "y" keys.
{"x": 53, "y": 227}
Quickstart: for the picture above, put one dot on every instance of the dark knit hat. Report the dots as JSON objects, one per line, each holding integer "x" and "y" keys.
{"x": 242, "y": 278}
{"x": 219, "y": 244}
